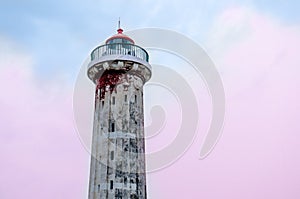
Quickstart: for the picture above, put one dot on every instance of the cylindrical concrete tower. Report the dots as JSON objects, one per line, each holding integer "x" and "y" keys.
{"x": 119, "y": 68}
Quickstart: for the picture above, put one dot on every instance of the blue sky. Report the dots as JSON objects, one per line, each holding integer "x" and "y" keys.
{"x": 60, "y": 34}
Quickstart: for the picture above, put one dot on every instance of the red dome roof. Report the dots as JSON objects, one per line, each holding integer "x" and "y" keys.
{"x": 120, "y": 35}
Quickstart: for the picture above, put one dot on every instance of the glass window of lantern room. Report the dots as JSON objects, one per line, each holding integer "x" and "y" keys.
{"x": 115, "y": 41}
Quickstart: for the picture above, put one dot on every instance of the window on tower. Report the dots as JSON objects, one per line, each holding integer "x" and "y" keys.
{"x": 112, "y": 155}
{"x": 113, "y": 100}
{"x": 112, "y": 127}
{"x": 111, "y": 184}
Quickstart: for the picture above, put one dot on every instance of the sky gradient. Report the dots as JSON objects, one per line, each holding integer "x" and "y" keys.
{"x": 254, "y": 44}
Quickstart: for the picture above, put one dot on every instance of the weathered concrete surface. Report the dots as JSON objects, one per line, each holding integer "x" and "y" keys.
{"x": 118, "y": 147}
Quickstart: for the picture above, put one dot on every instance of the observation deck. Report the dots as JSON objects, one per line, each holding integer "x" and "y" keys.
{"x": 119, "y": 49}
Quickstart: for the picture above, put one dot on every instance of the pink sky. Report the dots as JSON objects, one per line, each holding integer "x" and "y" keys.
{"x": 256, "y": 157}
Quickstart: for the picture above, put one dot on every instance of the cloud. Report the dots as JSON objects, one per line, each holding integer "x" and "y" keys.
{"x": 257, "y": 156}
{"x": 247, "y": 46}
{"x": 40, "y": 153}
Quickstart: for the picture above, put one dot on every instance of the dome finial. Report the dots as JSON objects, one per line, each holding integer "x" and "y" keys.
{"x": 120, "y": 30}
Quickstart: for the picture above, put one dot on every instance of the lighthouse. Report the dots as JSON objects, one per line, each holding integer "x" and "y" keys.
{"x": 119, "y": 69}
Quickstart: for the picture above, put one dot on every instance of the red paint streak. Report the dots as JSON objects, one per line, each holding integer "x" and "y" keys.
{"x": 108, "y": 80}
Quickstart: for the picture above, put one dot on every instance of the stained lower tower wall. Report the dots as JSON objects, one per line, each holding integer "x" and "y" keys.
{"x": 118, "y": 159}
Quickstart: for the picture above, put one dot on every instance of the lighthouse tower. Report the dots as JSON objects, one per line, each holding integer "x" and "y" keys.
{"x": 119, "y": 69}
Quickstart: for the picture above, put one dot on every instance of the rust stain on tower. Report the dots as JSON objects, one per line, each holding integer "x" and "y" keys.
{"x": 119, "y": 69}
